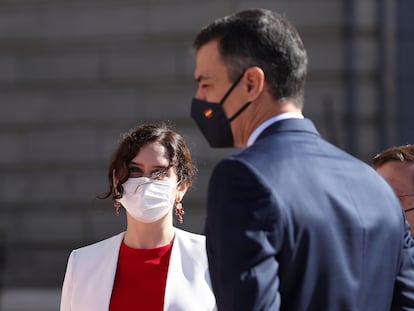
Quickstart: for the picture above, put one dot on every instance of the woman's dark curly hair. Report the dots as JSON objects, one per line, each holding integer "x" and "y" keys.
{"x": 135, "y": 139}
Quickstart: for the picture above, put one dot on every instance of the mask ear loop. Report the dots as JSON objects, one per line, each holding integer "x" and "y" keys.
{"x": 228, "y": 93}
{"x": 117, "y": 194}
{"x": 231, "y": 88}
{"x": 240, "y": 111}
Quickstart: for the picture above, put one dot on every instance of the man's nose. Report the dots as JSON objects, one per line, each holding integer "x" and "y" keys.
{"x": 200, "y": 94}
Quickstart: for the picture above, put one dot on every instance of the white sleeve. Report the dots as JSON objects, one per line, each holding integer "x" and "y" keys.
{"x": 65, "y": 302}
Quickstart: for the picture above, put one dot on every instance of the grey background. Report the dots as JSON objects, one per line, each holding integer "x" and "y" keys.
{"x": 76, "y": 74}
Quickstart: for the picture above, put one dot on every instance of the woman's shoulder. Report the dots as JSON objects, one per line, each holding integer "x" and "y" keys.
{"x": 190, "y": 236}
{"x": 193, "y": 242}
{"x": 103, "y": 245}
{"x": 192, "y": 247}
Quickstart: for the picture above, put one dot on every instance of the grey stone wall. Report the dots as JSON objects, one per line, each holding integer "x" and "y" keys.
{"x": 76, "y": 74}
{"x": 405, "y": 78}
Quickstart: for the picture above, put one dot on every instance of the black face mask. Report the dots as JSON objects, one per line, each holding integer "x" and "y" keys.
{"x": 212, "y": 121}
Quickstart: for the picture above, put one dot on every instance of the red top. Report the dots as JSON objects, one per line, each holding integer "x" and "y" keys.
{"x": 140, "y": 278}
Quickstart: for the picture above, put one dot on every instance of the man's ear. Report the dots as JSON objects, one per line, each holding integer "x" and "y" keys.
{"x": 254, "y": 80}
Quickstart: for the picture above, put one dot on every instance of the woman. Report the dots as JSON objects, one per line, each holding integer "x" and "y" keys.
{"x": 152, "y": 265}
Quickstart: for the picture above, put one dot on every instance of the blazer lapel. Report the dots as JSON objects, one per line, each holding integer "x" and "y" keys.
{"x": 96, "y": 275}
{"x": 175, "y": 275}
{"x": 188, "y": 280}
{"x": 105, "y": 281}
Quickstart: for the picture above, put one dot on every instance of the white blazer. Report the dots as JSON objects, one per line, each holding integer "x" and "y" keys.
{"x": 90, "y": 276}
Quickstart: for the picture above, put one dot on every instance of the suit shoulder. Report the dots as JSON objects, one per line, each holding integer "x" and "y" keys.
{"x": 234, "y": 166}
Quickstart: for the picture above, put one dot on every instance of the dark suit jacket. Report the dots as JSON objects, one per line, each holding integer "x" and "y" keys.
{"x": 294, "y": 223}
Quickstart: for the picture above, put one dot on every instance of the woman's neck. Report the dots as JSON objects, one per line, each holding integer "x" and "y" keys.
{"x": 142, "y": 235}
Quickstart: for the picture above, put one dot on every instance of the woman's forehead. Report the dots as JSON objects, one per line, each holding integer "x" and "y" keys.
{"x": 152, "y": 154}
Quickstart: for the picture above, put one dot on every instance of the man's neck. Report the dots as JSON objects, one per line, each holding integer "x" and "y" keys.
{"x": 262, "y": 112}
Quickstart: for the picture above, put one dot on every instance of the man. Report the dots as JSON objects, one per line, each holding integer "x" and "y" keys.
{"x": 293, "y": 223}
{"x": 396, "y": 165}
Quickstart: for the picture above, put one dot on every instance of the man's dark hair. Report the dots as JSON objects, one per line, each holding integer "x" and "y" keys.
{"x": 403, "y": 153}
{"x": 264, "y": 39}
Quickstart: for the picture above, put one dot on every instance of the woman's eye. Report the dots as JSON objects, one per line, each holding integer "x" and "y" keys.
{"x": 134, "y": 172}
{"x": 159, "y": 174}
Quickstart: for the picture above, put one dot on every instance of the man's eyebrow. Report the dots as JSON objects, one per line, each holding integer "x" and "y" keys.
{"x": 200, "y": 78}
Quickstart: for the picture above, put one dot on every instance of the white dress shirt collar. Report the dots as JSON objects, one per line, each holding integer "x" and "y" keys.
{"x": 268, "y": 122}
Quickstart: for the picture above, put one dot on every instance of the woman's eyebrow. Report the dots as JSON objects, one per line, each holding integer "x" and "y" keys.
{"x": 152, "y": 167}
{"x": 134, "y": 163}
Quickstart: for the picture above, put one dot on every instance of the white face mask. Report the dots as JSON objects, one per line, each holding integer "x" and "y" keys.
{"x": 147, "y": 200}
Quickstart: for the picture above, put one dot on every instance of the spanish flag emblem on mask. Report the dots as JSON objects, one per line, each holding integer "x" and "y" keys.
{"x": 208, "y": 113}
